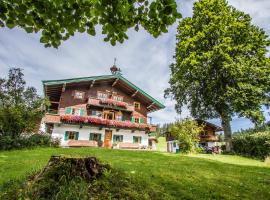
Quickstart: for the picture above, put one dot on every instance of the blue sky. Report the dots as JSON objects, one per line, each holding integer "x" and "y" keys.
{"x": 143, "y": 60}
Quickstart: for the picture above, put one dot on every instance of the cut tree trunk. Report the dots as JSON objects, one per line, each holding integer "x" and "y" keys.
{"x": 225, "y": 121}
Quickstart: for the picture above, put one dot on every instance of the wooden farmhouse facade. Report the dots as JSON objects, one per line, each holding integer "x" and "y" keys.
{"x": 107, "y": 111}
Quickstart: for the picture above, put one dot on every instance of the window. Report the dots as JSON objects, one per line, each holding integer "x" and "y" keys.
{"x": 118, "y": 98}
{"x": 71, "y": 135}
{"x": 108, "y": 115}
{"x": 136, "y": 120}
{"x": 102, "y": 95}
{"x": 78, "y": 111}
{"x": 95, "y": 136}
{"x": 118, "y": 117}
{"x": 137, "y": 140}
{"x": 117, "y": 138}
{"x": 78, "y": 95}
{"x": 137, "y": 105}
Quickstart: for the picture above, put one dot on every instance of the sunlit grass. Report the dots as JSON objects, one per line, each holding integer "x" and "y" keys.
{"x": 180, "y": 176}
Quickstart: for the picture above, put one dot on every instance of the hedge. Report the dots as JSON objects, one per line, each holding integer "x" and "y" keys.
{"x": 9, "y": 143}
{"x": 253, "y": 144}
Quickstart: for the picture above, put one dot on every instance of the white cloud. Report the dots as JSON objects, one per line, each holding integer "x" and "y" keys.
{"x": 144, "y": 60}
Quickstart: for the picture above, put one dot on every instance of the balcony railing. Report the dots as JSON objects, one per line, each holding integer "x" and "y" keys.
{"x": 208, "y": 137}
{"x": 110, "y": 103}
{"x": 105, "y": 122}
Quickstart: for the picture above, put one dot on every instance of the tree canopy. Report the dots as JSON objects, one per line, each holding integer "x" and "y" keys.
{"x": 221, "y": 68}
{"x": 58, "y": 20}
{"x": 20, "y": 106}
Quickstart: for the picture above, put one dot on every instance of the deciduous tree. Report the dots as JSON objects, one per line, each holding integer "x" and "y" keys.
{"x": 20, "y": 106}
{"x": 59, "y": 19}
{"x": 221, "y": 68}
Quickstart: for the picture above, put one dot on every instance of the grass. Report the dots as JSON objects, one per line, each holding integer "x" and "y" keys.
{"x": 179, "y": 176}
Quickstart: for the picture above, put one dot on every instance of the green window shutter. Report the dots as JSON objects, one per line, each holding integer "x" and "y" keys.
{"x": 141, "y": 120}
{"x": 94, "y": 112}
{"x": 140, "y": 140}
{"x": 132, "y": 119}
{"x": 66, "y": 136}
{"x": 91, "y": 136}
{"x": 82, "y": 112}
{"x": 77, "y": 135}
{"x": 121, "y": 138}
{"x": 134, "y": 139}
{"x": 99, "y": 137}
{"x": 68, "y": 110}
{"x": 114, "y": 138}
{"x": 124, "y": 118}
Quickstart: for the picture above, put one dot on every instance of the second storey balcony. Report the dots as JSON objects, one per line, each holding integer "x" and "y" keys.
{"x": 110, "y": 103}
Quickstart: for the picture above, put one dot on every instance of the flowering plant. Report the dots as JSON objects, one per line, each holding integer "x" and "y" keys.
{"x": 100, "y": 121}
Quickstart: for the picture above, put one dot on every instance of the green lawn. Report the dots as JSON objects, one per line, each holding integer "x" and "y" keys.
{"x": 181, "y": 177}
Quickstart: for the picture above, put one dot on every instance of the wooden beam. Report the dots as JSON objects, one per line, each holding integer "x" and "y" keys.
{"x": 92, "y": 84}
{"x": 55, "y": 102}
{"x": 64, "y": 87}
{"x": 133, "y": 95}
{"x": 114, "y": 83}
{"x": 148, "y": 107}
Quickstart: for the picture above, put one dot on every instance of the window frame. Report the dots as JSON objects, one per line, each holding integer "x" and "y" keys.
{"x": 118, "y": 98}
{"x": 74, "y": 136}
{"x": 98, "y": 135}
{"x": 78, "y": 97}
{"x": 137, "y": 103}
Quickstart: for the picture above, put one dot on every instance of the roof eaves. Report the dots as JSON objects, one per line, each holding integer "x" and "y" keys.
{"x": 141, "y": 91}
{"x": 74, "y": 80}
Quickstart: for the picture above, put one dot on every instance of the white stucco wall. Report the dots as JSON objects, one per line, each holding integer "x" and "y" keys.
{"x": 84, "y": 133}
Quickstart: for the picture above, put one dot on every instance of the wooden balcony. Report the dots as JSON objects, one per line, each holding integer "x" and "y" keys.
{"x": 109, "y": 103}
{"x": 52, "y": 118}
{"x": 206, "y": 138}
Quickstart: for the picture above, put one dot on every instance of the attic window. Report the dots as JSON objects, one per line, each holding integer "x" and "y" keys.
{"x": 102, "y": 95}
{"x": 118, "y": 98}
{"x": 78, "y": 95}
{"x": 137, "y": 105}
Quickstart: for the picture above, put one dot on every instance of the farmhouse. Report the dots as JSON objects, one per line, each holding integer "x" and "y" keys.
{"x": 107, "y": 111}
{"x": 208, "y": 136}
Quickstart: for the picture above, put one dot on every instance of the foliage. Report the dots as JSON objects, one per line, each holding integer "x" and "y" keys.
{"x": 8, "y": 143}
{"x": 58, "y": 20}
{"x": 252, "y": 144}
{"x": 220, "y": 68}
{"x": 20, "y": 107}
{"x": 171, "y": 176}
{"x": 187, "y": 133}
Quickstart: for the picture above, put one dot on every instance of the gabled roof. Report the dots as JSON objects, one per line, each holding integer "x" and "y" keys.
{"x": 133, "y": 88}
{"x": 217, "y": 128}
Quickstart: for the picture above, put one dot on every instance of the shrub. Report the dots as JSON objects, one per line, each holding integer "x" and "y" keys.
{"x": 252, "y": 144}
{"x": 8, "y": 143}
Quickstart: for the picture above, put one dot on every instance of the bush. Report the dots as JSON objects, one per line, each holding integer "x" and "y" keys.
{"x": 252, "y": 144}
{"x": 8, "y": 143}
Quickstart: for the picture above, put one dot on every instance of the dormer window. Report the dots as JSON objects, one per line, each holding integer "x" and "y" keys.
{"x": 79, "y": 94}
{"x": 118, "y": 98}
{"x": 102, "y": 95}
{"x": 137, "y": 105}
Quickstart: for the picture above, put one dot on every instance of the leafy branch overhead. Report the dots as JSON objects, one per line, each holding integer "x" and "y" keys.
{"x": 58, "y": 20}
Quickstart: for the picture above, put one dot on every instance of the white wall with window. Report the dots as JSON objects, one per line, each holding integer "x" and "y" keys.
{"x": 59, "y": 131}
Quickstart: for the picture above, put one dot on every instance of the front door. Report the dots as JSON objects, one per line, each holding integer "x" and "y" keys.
{"x": 108, "y": 139}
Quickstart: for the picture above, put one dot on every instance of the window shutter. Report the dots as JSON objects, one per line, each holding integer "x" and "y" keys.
{"x": 94, "y": 112}
{"x": 140, "y": 140}
{"x": 91, "y": 136}
{"x": 66, "y": 136}
{"x": 68, "y": 110}
{"x": 134, "y": 139}
{"x": 99, "y": 137}
{"x": 124, "y": 117}
{"x": 132, "y": 119}
{"x": 82, "y": 112}
{"x": 77, "y": 135}
{"x": 121, "y": 138}
{"x": 141, "y": 120}
{"x": 114, "y": 138}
